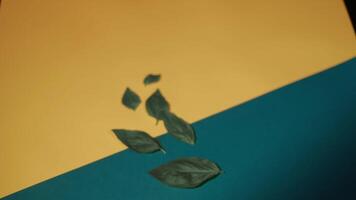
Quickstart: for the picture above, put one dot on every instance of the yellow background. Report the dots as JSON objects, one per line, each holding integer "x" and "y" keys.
{"x": 65, "y": 64}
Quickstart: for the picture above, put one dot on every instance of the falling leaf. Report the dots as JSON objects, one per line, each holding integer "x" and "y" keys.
{"x": 151, "y": 78}
{"x": 179, "y": 128}
{"x": 130, "y": 99}
{"x": 156, "y": 104}
{"x": 189, "y": 172}
{"x": 138, "y": 141}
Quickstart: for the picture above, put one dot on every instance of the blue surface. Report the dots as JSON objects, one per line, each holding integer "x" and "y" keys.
{"x": 298, "y": 142}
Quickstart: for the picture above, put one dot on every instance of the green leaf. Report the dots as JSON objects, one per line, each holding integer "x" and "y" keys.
{"x": 179, "y": 128}
{"x": 151, "y": 78}
{"x": 138, "y": 141}
{"x": 156, "y": 104}
{"x": 189, "y": 172}
{"x": 130, "y": 99}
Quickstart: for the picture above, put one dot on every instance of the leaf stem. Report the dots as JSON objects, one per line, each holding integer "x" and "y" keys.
{"x": 163, "y": 151}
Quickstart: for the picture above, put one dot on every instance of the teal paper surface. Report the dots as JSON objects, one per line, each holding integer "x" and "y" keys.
{"x": 298, "y": 142}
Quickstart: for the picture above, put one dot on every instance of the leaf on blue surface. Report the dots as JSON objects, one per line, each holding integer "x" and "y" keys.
{"x": 179, "y": 128}
{"x": 190, "y": 172}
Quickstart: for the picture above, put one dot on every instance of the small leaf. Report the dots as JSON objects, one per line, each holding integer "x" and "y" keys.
{"x": 138, "y": 141}
{"x": 156, "y": 104}
{"x": 179, "y": 128}
{"x": 130, "y": 99}
{"x": 151, "y": 78}
{"x": 187, "y": 172}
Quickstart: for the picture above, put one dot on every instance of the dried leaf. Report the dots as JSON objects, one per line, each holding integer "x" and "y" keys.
{"x": 138, "y": 141}
{"x": 179, "y": 128}
{"x": 156, "y": 104}
{"x": 188, "y": 172}
{"x": 151, "y": 78}
{"x": 130, "y": 99}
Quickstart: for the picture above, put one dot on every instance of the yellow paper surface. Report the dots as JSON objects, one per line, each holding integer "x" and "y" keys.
{"x": 64, "y": 66}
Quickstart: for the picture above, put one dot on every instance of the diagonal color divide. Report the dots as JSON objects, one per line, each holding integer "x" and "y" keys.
{"x": 297, "y": 142}
{"x": 65, "y": 64}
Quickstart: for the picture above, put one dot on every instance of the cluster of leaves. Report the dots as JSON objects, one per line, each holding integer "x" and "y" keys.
{"x": 189, "y": 172}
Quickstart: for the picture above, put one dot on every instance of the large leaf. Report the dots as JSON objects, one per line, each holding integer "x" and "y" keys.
{"x": 138, "y": 141}
{"x": 156, "y": 105}
{"x": 187, "y": 172}
{"x": 130, "y": 99}
{"x": 151, "y": 78}
{"x": 179, "y": 128}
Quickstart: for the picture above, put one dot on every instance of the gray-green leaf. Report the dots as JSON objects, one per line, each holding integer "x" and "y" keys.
{"x": 187, "y": 172}
{"x": 130, "y": 99}
{"x": 151, "y": 78}
{"x": 138, "y": 141}
{"x": 156, "y": 104}
{"x": 179, "y": 128}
